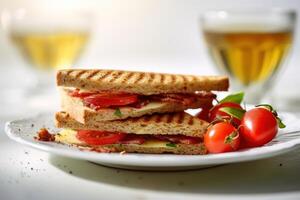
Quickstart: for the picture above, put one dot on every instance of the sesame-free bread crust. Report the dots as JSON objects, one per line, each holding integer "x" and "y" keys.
{"x": 183, "y": 149}
{"x": 77, "y": 110}
{"x": 146, "y": 83}
{"x": 165, "y": 124}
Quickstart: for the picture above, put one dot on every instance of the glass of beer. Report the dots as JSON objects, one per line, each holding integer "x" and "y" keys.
{"x": 47, "y": 39}
{"x": 249, "y": 46}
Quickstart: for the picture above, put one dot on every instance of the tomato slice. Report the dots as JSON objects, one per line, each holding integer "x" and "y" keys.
{"x": 105, "y": 100}
{"x": 80, "y": 94}
{"x": 99, "y": 137}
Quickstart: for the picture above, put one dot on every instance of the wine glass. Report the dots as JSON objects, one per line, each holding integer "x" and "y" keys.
{"x": 249, "y": 46}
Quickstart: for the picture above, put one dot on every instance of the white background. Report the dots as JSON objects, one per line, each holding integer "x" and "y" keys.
{"x": 147, "y": 35}
{"x": 159, "y": 35}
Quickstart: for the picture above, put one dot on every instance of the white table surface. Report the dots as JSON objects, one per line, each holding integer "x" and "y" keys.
{"x": 26, "y": 173}
{"x": 30, "y": 174}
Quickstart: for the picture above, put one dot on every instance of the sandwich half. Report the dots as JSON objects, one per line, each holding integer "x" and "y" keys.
{"x": 178, "y": 133}
{"x": 104, "y": 95}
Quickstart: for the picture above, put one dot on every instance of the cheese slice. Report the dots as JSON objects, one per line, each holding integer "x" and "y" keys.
{"x": 68, "y": 136}
{"x": 154, "y": 143}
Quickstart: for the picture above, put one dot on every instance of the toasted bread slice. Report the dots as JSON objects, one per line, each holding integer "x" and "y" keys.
{"x": 164, "y": 124}
{"x": 76, "y": 108}
{"x": 145, "y": 83}
{"x": 153, "y": 146}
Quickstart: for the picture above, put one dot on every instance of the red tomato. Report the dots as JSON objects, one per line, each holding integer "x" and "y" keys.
{"x": 133, "y": 139}
{"x": 80, "y": 94}
{"x": 215, "y": 111}
{"x": 243, "y": 143}
{"x": 105, "y": 100}
{"x": 204, "y": 113}
{"x": 222, "y": 137}
{"x": 99, "y": 137}
{"x": 258, "y": 127}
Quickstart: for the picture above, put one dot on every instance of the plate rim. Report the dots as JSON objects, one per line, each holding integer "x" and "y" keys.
{"x": 133, "y": 159}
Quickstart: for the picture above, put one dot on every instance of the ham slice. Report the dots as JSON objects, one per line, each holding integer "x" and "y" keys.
{"x": 133, "y": 139}
{"x": 140, "y": 139}
{"x": 185, "y": 99}
{"x": 179, "y": 139}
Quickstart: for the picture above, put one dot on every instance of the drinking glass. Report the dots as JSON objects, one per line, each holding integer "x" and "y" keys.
{"x": 249, "y": 46}
{"x": 47, "y": 40}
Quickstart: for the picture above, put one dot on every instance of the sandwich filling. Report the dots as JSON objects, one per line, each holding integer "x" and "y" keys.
{"x": 106, "y": 99}
{"x": 89, "y": 137}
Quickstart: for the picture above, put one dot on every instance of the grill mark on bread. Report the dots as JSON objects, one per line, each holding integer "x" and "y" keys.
{"x": 134, "y": 119}
{"x": 91, "y": 80}
{"x": 185, "y": 80}
{"x": 127, "y": 77}
{"x": 201, "y": 122}
{"x": 158, "y": 118}
{"x": 140, "y": 77}
{"x": 170, "y": 118}
{"x": 191, "y": 121}
{"x": 115, "y": 76}
{"x": 138, "y": 125}
{"x": 151, "y": 79}
{"x": 104, "y": 75}
{"x": 162, "y": 78}
{"x": 93, "y": 73}
{"x": 147, "y": 118}
{"x": 194, "y": 78}
{"x": 79, "y": 74}
{"x": 180, "y": 118}
{"x": 173, "y": 78}
{"x": 69, "y": 72}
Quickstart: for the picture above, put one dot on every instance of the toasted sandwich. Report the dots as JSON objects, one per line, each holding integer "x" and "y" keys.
{"x": 178, "y": 133}
{"x": 105, "y": 95}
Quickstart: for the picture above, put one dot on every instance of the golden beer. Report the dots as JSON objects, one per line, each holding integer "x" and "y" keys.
{"x": 50, "y": 50}
{"x": 249, "y": 56}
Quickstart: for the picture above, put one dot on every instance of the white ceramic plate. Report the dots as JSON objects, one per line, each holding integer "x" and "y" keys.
{"x": 24, "y": 130}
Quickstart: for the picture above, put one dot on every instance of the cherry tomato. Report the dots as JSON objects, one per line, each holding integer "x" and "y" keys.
{"x": 105, "y": 100}
{"x": 99, "y": 137}
{"x": 258, "y": 127}
{"x": 222, "y": 137}
{"x": 215, "y": 112}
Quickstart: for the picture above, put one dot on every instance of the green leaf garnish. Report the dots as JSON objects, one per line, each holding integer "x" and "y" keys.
{"x": 171, "y": 145}
{"x": 118, "y": 112}
{"x": 235, "y": 98}
{"x": 234, "y": 112}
